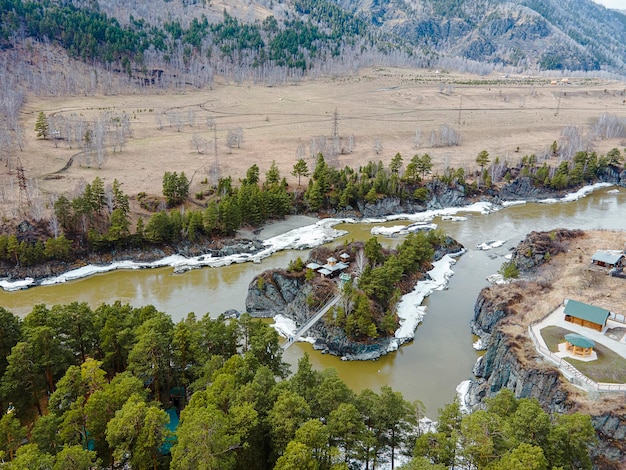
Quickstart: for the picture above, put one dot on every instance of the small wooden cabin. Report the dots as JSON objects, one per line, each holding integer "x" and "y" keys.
{"x": 585, "y": 315}
{"x": 578, "y": 345}
{"x": 607, "y": 258}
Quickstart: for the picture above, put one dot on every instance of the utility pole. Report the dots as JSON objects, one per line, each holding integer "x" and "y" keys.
{"x": 21, "y": 181}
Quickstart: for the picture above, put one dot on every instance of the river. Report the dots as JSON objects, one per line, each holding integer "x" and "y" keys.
{"x": 427, "y": 369}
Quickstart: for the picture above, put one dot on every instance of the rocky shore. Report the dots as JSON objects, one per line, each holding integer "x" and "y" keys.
{"x": 441, "y": 196}
{"x": 511, "y": 360}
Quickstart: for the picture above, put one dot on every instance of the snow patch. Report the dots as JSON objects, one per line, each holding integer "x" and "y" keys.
{"x": 479, "y": 345}
{"x": 410, "y": 310}
{"x": 16, "y": 285}
{"x": 581, "y": 193}
{"x": 613, "y": 191}
{"x": 490, "y": 244}
{"x": 513, "y": 203}
{"x": 454, "y": 218}
{"x": 287, "y": 328}
{"x": 462, "y": 390}
{"x": 497, "y": 279}
{"x": 402, "y": 229}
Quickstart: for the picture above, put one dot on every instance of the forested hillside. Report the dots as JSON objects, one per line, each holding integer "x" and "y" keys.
{"x": 550, "y": 35}
{"x": 180, "y": 43}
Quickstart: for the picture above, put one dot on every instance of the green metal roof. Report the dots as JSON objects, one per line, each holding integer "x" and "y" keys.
{"x": 579, "y": 340}
{"x": 587, "y": 312}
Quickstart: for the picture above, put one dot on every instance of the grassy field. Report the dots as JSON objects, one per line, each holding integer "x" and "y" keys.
{"x": 508, "y": 117}
{"x": 610, "y": 367}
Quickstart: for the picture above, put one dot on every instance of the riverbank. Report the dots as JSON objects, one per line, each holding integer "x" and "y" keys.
{"x": 503, "y": 314}
{"x": 303, "y": 232}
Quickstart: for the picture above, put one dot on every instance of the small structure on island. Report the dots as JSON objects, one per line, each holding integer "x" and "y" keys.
{"x": 585, "y": 315}
{"x": 608, "y": 258}
{"x": 314, "y": 266}
{"x": 345, "y": 257}
{"x": 332, "y": 268}
{"x": 578, "y": 345}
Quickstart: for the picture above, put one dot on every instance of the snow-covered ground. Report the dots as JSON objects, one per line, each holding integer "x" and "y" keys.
{"x": 581, "y": 193}
{"x": 461, "y": 391}
{"x": 401, "y": 229}
{"x": 17, "y": 285}
{"x": 287, "y": 328}
{"x": 410, "y": 309}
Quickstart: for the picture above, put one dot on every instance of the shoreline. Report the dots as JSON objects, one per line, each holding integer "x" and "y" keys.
{"x": 299, "y": 238}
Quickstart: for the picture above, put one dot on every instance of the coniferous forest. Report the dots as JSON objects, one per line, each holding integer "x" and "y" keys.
{"x": 120, "y": 386}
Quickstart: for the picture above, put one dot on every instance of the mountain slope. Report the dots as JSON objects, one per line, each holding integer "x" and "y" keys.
{"x": 550, "y": 34}
{"x": 187, "y": 41}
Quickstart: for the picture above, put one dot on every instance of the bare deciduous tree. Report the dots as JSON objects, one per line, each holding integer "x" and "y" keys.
{"x": 378, "y": 145}
{"x": 99, "y": 140}
{"x": 360, "y": 262}
{"x": 234, "y": 138}
{"x": 199, "y": 143}
{"x": 416, "y": 138}
{"x": 445, "y": 136}
{"x": 350, "y": 144}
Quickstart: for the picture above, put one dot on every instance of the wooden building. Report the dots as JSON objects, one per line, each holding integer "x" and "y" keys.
{"x": 585, "y": 315}
{"x": 578, "y": 345}
{"x": 608, "y": 258}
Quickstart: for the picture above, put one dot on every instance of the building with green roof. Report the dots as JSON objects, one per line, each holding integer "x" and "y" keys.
{"x": 579, "y": 345}
{"x": 585, "y": 315}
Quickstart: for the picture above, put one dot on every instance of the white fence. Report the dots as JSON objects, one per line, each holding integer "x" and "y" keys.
{"x": 570, "y": 372}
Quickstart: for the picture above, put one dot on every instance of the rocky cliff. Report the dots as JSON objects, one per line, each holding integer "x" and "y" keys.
{"x": 511, "y": 361}
{"x": 279, "y": 292}
{"x": 442, "y": 195}
{"x": 275, "y": 292}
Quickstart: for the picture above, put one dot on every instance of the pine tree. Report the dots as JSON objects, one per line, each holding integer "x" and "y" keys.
{"x": 300, "y": 169}
{"x": 41, "y": 125}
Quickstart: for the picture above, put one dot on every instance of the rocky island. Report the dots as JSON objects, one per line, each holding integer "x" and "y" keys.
{"x": 370, "y": 285}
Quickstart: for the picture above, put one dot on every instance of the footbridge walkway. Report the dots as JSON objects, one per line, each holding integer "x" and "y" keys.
{"x": 311, "y": 321}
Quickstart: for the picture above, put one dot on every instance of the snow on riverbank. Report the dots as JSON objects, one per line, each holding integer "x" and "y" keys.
{"x": 17, "y": 285}
{"x": 462, "y": 390}
{"x": 287, "y": 328}
{"x": 401, "y": 229}
{"x": 581, "y": 193}
{"x": 300, "y": 238}
{"x": 410, "y": 309}
{"x": 297, "y": 239}
{"x": 490, "y": 245}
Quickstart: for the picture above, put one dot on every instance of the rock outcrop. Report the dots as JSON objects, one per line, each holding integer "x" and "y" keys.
{"x": 539, "y": 247}
{"x": 276, "y": 292}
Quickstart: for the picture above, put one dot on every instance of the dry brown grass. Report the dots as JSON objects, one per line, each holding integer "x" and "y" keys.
{"x": 508, "y": 117}
{"x": 570, "y": 275}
